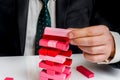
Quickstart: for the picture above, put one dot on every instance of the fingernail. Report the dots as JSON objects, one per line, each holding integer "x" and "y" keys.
{"x": 71, "y": 35}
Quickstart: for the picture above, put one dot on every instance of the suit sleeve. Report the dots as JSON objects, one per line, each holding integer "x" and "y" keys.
{"x": 101, "y": 16}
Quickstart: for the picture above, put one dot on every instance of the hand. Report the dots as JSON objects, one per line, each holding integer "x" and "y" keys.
{"x": 96, "y": 42}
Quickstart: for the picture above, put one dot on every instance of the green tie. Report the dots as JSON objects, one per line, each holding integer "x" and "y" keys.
{"x": 43, "y": 21}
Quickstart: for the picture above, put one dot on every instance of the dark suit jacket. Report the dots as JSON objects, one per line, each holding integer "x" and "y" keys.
{"x": 13, "y": 21}
{"x": 110, "y": 11}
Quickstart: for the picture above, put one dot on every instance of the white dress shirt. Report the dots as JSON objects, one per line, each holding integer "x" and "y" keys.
{"x": 35, "y": 7}
{"x": 117, "y": 48}
{"x": 34, "y": 10}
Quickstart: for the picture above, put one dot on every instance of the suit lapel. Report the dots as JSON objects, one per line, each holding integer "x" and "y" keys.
{"x": 61, "y": 11}
{"x": 22, "y": 21}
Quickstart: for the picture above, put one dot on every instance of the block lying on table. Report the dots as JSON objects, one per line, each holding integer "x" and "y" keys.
{"x": 85, "y": 71}
{"x": 9, "y": 78}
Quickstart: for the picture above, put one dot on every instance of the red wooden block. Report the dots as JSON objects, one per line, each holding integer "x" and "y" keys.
{"x": 67, "y": 70}
{"x": 57, "y": 67}
{"x": 58, "y": 38}
{"x": 85, "y": 71}
{"x": 50, "y": 72}
{"x": 43, "y": 78}
{"x": 49, "y": 51}
{"x": 66, "y": 53}
{"x": 54, "y": 44}
{"x": 58, "y": 59}
{"x": 68, "y": 62}
{"x": 42, "y": 51}
{"x": 57, "y": 76}
{"x": 64, "y": 46}
{"x": 68, "y": 76}
{"x": 52, "y": 52}
{"x": 56, "y": 31}
{"x": 49, "y": 63}
{"x": 9, "y": 78}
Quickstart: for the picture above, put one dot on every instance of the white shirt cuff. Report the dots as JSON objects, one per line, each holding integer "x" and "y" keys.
{"x": 116, "y": 57}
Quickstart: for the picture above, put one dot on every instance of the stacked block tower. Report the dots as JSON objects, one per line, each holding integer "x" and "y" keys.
{"x": 55, "y": 55}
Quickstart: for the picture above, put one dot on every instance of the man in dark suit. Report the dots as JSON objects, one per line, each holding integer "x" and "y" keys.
{"x": 13, "y": 21}
{"x": 69, "y": 13}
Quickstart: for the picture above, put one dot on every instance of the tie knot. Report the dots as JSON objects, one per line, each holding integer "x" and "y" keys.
{"x": 44, "y": 1}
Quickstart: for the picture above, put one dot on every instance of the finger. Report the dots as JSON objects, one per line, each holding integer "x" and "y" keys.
{"x": 91, "y": 41}
{"x": 94, "y": 50}
{"x": 73, "y": 43}
{"x": 95, "y": 58}
{"x": 87, "y": 32}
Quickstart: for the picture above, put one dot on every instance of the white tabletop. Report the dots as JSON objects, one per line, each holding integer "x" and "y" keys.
{"x": 26, "y": 68}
